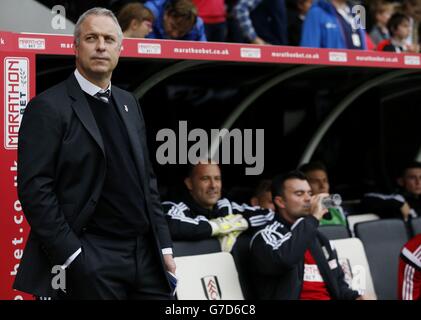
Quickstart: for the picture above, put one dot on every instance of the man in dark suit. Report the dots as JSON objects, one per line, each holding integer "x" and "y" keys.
{"x": 86, "y": 184}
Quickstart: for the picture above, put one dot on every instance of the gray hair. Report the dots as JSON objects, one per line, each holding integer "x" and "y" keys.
{"x": 97, "y": 11}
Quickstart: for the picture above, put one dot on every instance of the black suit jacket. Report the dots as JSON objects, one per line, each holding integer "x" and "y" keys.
{"x": 61, "y": 171}
{"x": 278, "y": 253}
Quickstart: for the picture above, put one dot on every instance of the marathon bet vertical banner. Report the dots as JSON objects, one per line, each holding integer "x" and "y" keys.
{"x": 17, "y": 87}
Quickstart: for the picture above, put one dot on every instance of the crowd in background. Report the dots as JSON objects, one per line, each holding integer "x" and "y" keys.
{"x": 384, "y": 25}
{"x": 377, "y": 25}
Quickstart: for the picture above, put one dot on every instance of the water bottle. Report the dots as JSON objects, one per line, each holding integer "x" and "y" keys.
{"x": 332, "y": 201}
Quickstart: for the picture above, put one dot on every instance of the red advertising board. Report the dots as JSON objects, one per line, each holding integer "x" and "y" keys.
{"x": 17, "y": 87}
{"x": 217, "y": 51}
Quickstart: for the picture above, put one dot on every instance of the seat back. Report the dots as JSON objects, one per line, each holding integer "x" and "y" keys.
{"x": 191, "y": 248}
{"x": 352, "y": 257}
{"x": 208, "y": 277}
{"x": 415, "y": 226}
{"x": 357, "y": 218}
{"x": 383, "y": 240}
{"x": 334, "y": 232}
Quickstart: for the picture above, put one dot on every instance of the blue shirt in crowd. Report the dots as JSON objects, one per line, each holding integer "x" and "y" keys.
{"x": 325, "y": 28}
{"x": 157, "y": 7}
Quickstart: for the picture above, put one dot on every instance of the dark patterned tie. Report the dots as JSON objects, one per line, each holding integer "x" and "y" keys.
{"x": 103, "y": 95}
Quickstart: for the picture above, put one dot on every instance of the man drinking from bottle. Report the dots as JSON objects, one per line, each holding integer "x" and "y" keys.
{"x": 291, "y": 258}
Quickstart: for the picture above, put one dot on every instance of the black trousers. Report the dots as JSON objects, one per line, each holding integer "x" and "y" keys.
{"x": 111, "y": 268}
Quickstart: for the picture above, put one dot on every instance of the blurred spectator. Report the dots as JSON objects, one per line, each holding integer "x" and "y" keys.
{"x": 204, "y": 214}
{"x": 330, "y": 24}
{"x": 412, "y": 9}
{"x": 296, "y": 15}
{"x": 175, "y": 19}
{"x": 370, "y": 44}
{"x": 234, "y": 33}
{"x": 405, "y": 203}
{"x": 409, "y": 277}
{"x": 214, "y": 16}
{"x": 262, "y": 21}
{"x": 135, "y": 20}
{"x": 292, "y": 258}
{"x": 381, "y": 11}
{"x": 399, "y": 29}
{"x": 318, "y": 179}
{"x": 262, "y": 196}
